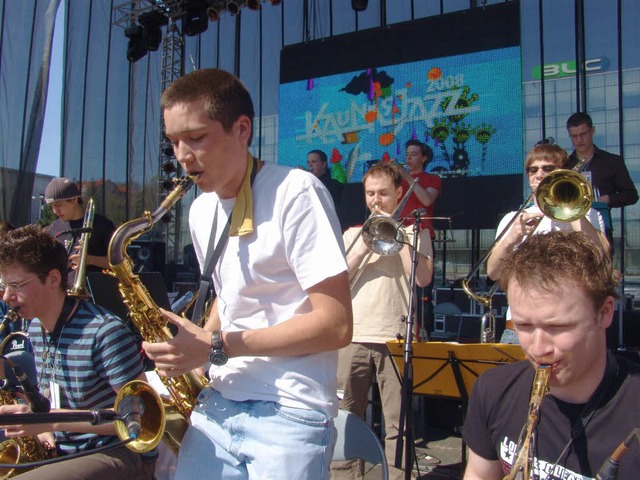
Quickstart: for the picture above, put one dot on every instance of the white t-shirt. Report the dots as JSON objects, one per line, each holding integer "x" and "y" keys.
{"x": 261, "y": 280}
{"x": 548, "y": 225}
{"x": 380, "y": 297}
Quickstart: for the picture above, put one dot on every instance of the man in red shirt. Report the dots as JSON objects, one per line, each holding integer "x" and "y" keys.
{"x": 427, "y": 189}
{"x": 424, "y": 195}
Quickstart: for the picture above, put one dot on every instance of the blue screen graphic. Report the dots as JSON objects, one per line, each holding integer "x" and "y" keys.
{"x": 466, "y": 107}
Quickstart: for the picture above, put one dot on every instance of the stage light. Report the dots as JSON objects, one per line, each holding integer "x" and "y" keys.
{"x": 232, "y": 7}
{"x": 213, "y": 14}
{"x": 195, "y": 21}
{"x": 167, "y": 184}
{"x": 359, "y": 5}
{"x": 152, "y": 23}
{"x": 169, "y": 167}
{"x": 136, "y": 48}
{"x": 167, "y": 150}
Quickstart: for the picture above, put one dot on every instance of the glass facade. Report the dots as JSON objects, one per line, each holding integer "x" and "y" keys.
{"x": 110, "y": 121}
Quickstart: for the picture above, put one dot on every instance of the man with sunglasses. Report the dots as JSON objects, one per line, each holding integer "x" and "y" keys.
{"x": 612, "y": 184}
{"x": 541, "y": 160}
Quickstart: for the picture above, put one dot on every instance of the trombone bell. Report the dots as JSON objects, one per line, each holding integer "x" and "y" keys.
{"x": 564, "y": 195}
{"x": 383, "y": 235}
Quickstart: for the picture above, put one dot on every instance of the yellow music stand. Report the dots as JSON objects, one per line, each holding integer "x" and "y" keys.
{"x": 466, "y": 361}
{"x": 449, "y": 369}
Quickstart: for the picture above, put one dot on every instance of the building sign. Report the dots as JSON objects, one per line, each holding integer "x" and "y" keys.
{"x": 568, "y": 68}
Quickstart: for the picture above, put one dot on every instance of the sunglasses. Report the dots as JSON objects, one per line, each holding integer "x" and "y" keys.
{"x": 545, "y": 169}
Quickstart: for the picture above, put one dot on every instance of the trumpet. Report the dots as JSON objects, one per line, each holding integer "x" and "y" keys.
{"x": 563, "y": 195}
{"x": 79, "y": 285}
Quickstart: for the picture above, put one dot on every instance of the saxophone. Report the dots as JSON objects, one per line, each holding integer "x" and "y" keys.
{"x": 521, "y": 468}
{"x": 20, "y": 449}
{"x": 146, "y": 316}
{"x": 8, "y": 318}
{"x": 79, "y": 289}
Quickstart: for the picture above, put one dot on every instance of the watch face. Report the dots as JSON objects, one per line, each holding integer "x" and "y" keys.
{"x": 218, "y": 357}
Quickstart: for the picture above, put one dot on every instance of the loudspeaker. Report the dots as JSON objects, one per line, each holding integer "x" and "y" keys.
{"x": 457, "y": 296}
{"x": 352, "y": 209}
{"x": 148, "y": 256}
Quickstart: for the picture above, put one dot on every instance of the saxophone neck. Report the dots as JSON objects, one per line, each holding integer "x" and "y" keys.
{"x": 523, "y": 457}
{"x": 132, "y": 229}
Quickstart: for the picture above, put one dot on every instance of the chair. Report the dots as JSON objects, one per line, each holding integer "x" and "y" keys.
{"x": 356, "y": 440}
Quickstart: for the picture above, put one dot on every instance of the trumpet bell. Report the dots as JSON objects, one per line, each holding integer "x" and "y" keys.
{"x": 153, "y": 420}
{"x": 383, "y": 235}
{"x": 564, "y": 195}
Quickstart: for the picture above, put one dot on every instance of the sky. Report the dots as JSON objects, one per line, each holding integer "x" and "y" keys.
{"x": 49, "y": 158}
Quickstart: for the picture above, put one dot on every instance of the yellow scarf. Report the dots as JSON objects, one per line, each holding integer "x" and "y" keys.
{"x": 242, "y": 216}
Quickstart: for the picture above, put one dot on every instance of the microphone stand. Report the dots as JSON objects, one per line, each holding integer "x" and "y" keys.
{"x": 97, "y": 416}
{"x": 405, "y": 424}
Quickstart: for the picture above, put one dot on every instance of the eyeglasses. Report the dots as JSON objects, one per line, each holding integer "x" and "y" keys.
{"x": 578, "y": 135}
{"x": 15, "y": 286}
{"x": 545, "y": 169}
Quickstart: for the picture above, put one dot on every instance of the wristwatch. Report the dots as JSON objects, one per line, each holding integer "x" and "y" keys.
{"x": 217, "y": 355}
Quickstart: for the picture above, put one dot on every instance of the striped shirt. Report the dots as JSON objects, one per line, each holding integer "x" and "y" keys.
{"x": 94, "y": 353}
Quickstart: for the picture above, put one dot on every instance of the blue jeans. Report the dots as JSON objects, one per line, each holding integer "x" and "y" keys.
{"x": 254, "y": 440}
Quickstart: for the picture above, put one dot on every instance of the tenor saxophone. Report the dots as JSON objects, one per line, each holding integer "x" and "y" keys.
{"x": 146, "y": 315}
{"x": 8, "y": 318}
{"x": 521, "y": 468}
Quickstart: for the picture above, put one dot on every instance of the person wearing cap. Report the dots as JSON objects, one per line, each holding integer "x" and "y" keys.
{"x": 65, "y": 199}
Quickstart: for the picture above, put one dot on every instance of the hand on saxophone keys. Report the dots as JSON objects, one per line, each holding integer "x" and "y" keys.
{"x": 186, "y": 351}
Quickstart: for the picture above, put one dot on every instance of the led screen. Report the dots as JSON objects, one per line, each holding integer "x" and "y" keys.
{"x": 467, "y": 108}
{"x": 371, "y": 97}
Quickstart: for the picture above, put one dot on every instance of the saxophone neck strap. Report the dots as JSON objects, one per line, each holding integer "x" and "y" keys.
{"x": 609, "y": 379}
{"x": 214, "y": 252}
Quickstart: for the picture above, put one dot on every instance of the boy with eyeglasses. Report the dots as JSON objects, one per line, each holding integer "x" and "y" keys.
{"x": 83, "y": 353}
{"x": 541, "y": 160}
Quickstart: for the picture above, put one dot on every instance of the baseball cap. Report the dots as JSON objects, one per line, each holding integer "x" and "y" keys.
{"x": 61, "y": 189}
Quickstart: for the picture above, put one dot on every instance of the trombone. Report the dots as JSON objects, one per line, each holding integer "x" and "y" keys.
{"x": 381, "y": 234}
{"x": 563, "y": 195}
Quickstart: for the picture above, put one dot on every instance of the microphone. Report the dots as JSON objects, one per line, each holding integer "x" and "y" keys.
{"x": 39, "y": 403}
{"x": 130, "y": 409}
{"x": 419, "y": 211}
{"x": 609, "y": 469}
{"x": 74, "y": 231}
{"x": 546, "y": 141}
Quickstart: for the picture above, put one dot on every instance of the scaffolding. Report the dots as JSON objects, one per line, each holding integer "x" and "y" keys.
{"x": 127, "y": 15}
